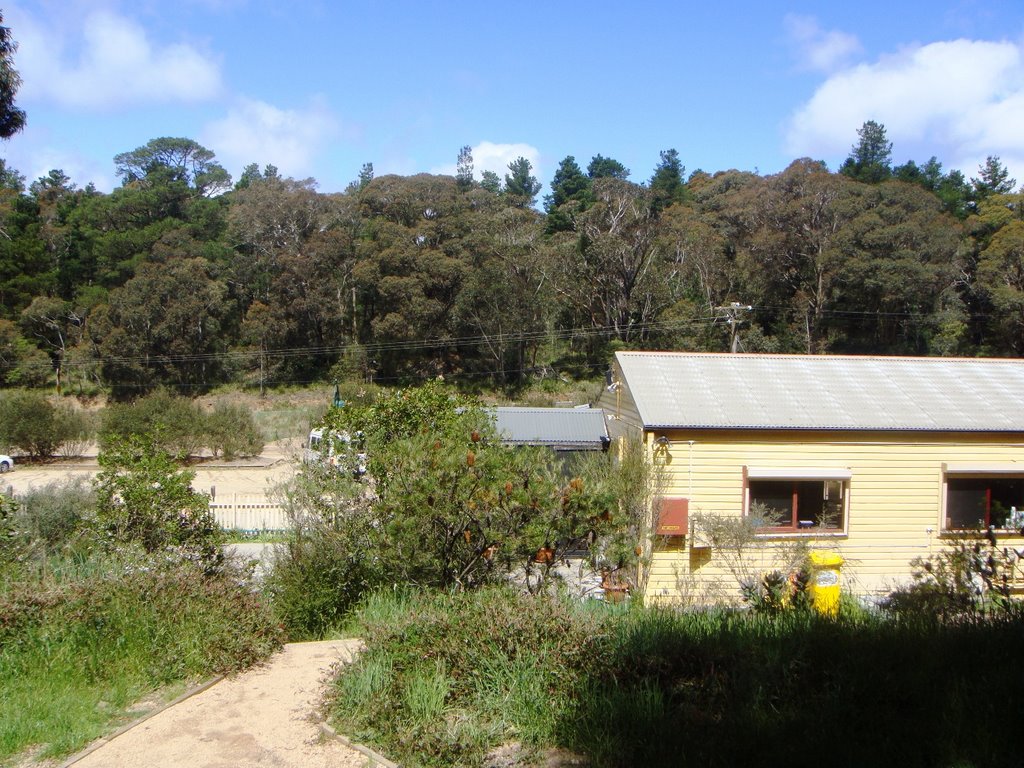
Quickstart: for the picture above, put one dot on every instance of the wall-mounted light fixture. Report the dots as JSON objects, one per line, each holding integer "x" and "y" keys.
{"x": 661, "y": 444}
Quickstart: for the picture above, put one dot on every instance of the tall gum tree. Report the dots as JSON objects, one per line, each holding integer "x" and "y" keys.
{"x": 612, "y": 270}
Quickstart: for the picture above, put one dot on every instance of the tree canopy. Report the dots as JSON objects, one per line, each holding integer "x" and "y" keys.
{"x": 174, "y": 279}
{"x": 184, "y": 159}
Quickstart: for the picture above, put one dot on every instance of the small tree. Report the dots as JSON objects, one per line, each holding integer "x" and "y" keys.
{"x": 144, "y": 498}
{"x": 30, "y": 423}
{"x": 454, "y": 507}
{"x": 177, "y": 424}
{"x": 231, "y": 432}
{"x": 767, "y": 573}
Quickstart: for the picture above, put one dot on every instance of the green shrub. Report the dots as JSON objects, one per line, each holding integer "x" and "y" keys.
{"x": 174, "y": 424}
{"x": 30, "y": 423}
{"x": 318, "y": 577}
{"x": 79, "y": 646}
{"x": 967, "y": 579}
{"x": 446, "y": 677}
{"x": 144, "y": 499}
{"x": 55, "y": 517}
{"x": 76, "y": 429}
{"x": 231, "y": 432}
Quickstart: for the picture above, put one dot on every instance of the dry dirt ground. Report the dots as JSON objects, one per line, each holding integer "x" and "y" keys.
{"x": 263, "y": 717}
{"x": 251, "y": 476}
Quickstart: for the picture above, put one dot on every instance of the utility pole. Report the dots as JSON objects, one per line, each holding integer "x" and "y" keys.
{"x": 732, "y": 317}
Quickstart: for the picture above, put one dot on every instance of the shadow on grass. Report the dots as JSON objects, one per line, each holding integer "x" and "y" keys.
{"x": 450, "y": 680}
{"x": 794, "y": 690}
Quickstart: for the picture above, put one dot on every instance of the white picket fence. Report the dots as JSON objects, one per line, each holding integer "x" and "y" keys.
{"x": 248, "y": 512}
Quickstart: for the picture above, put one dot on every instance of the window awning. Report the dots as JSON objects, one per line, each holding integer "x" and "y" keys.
{"x": 787, "y": 473}
{"x": 983, "y": 469}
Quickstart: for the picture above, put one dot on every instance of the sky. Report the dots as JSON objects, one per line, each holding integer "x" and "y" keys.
{"x": 318, "y": 88}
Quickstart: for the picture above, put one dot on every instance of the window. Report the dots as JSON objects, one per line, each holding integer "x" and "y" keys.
{"x": 977, "y": 501}
{"x": 798, "y": 504}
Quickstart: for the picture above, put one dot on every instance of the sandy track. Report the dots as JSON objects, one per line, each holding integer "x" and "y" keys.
{"x": 262, "y": 717}
{"x": 250, "y": 476}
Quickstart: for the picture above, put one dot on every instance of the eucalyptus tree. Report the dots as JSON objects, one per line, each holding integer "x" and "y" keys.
{"x": 166, "y": 325}
{"x": 411, "y": 263}
{"x": 612, "y": 271}
{"x": 291, "y": 263}
{"x": 507, "y": 301}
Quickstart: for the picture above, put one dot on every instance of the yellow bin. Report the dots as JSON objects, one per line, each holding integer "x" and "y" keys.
{"x": 825, "y": 570}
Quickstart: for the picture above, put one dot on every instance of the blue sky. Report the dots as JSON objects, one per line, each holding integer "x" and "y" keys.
{"x": 318, "y": 88}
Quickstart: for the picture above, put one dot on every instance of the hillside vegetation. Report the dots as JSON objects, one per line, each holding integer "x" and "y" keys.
{"x": 181, "y": 278}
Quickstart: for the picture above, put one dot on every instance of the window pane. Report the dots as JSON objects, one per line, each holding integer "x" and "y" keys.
{"x": 977, "y": 502}
{"x": 965, "y": 502}
{"x": 1006, "y": 494}
{"x": 819, "y": 503}
{"x": 777, "y": 498}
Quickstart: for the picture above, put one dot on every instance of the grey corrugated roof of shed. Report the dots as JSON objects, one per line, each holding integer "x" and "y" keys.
{"x": 828, "y": 392}
{"x": 567, "y": 427}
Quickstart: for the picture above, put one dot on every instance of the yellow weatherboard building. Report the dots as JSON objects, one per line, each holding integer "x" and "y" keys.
{"x": 867, "y": 461}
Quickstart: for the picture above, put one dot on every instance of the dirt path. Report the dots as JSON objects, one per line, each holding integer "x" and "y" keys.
{"x": 251, "y": 476}
{"x": 259, "y": 718}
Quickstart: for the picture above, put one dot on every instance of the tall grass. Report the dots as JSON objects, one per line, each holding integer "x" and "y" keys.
{"x": 659, "y": 688}
{"x": 80, "y": 643}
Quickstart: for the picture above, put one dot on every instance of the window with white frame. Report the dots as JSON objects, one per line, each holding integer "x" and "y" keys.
{"x": 785, "y": 501}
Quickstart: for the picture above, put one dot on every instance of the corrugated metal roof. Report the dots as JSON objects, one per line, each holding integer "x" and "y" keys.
{"x": 749, "y": 391}
{"x": 565, "y": 428}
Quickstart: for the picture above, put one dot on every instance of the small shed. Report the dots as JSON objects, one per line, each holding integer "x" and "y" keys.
{"x": 561, "y": 429}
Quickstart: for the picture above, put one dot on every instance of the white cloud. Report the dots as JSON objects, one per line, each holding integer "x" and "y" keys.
{"x": 115, "y": 64}
{"x": 488, "y": 156}
{"x": 959, "y": 100}
{"x": 256, "y": 132}
{"x": 37, "y": 160}
{"x": 817, "y": 48}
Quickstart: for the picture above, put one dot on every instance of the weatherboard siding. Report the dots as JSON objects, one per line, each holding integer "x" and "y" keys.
{"x": 894, "y": 497}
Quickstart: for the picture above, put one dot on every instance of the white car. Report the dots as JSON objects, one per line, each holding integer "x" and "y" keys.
{"x": 336, "y": 449}
{"x": 6, "y": 463}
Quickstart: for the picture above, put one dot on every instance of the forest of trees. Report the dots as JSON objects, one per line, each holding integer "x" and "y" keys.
{"x": 183, "y": 278}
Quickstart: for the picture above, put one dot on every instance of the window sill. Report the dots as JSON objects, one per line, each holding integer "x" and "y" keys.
{"x": 978, "y": 533}
{"x": 801, "y": 535}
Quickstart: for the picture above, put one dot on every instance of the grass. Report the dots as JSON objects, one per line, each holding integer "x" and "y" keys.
{"x": 447, "y": 678}
{"x": 81, "y": 644}
{"x": 280, "y": 414}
